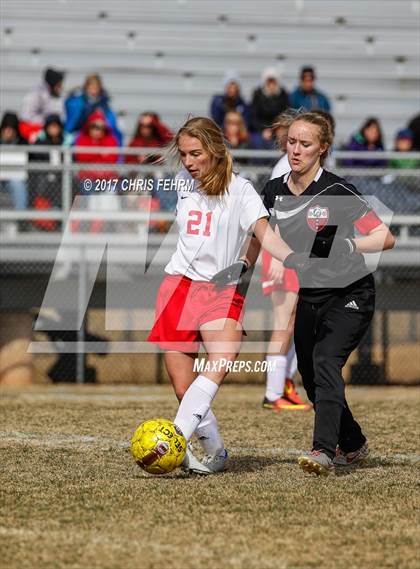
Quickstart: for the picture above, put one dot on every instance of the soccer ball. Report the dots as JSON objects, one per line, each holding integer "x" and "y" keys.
{"x": 158, "y": 446}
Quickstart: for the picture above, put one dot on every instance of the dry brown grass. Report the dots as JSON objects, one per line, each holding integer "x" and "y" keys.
{"x": 72, "y": 497}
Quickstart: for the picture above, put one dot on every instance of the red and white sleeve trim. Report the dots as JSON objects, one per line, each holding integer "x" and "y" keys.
{"x": 367, "y": 222}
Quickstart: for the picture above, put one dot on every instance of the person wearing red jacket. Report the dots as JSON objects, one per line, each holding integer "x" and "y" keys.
{"x": 96, "y": 132}
{"x": 150, "y": 133}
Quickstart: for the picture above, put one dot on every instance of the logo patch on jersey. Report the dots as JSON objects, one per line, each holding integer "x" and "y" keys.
{"x": 317, "y": 217}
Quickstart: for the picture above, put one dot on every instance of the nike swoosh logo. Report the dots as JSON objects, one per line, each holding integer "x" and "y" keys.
{"x": 292, "y": 212}
{"x": 184, "y": 197}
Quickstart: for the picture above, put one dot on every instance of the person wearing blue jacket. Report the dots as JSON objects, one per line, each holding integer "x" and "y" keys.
{"x": 306, "y": 96}
{"x": 81, "y": 103}
{"x": 230, "y": 100}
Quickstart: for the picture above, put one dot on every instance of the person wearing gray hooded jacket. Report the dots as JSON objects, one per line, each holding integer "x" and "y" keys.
{"x": 45, "y": 100}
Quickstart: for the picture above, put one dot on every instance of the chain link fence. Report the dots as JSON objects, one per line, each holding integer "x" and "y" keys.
{"x": 40, "y": 212}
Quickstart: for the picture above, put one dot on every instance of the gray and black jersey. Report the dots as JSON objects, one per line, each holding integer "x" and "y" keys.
{"x": 329, "y": 207}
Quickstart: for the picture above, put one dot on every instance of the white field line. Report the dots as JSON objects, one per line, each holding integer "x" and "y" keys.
{"x": 86, "y": 442}
{"x": 90, "y": 397}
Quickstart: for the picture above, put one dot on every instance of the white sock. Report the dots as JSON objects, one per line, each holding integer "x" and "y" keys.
{"x": 209, "y": 436}
{"x": 291, "y": 362}
{"x": 276, "y": 377}
{"x": 195, "y": 405}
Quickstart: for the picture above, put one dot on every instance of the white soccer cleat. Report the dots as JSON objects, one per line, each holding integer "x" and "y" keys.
{"x": 216, "y": 463}
{"x": 209, "y": 465}
{"x": 192, "y": 464}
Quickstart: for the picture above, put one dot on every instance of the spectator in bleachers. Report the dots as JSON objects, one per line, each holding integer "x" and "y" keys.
{"x": 414, "y": 126}
{"x": 96, "y": 132}
{"x": 10, "y": 129}
{"x": 45, "y": 186}
{"x": 82, "y": 102}
{"x": 150, "y": 132}
{"x": 43, "y": 101}
{"x": 52, "y": 134}
{"x": 230, "y": 100}
{"x": 268, "y": 101}
{"x": 13, "y": 174}
{"x": 306, "y": 95}
{"x": 404, "y": 143}
{"x": 235, "y": 131}
{"x": 368, "y": 139}
{"x": 236, "y": 134}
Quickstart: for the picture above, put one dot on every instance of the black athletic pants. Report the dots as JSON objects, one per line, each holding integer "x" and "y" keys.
{"x": 325, "y": 335}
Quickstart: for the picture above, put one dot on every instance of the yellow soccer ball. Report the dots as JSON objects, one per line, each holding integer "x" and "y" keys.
{"x": 158, "y": 446}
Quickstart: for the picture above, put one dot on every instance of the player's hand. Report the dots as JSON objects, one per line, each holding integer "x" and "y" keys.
{"x": 230, "y": 274}
{"x": 300, "y": 262}
{"x": 276, "y": 271}
{"x": 333, "y": 246}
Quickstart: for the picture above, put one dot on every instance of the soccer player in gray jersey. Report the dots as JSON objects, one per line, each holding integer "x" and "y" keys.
{"x": 317, "y": 213}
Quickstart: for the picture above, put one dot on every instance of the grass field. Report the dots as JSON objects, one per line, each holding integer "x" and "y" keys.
{"x": 71, "y": 496}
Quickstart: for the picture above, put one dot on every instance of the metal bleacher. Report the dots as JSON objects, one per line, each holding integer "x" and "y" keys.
{"x": 171, "y": 55}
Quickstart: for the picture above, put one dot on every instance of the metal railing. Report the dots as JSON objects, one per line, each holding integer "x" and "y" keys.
{"x": 257, "y": 166}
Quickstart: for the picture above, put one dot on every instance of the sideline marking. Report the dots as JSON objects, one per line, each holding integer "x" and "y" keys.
{"x": 86, "y": 442}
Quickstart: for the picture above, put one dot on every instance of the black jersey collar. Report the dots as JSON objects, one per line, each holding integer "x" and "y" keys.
{"x": 317, "y": 177}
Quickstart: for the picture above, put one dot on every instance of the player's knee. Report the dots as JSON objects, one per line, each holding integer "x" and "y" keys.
{"x": 325, "y": 364}
{"x": 221, "y": 365}
{"x": 327, "y": 368}
{"x": 227, "y": 361}
{"x": 328, "y": 379}
{"x": 180, "y": 391}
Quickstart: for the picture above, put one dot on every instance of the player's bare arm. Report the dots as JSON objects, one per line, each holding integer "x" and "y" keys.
{"x": 378, "y": 239}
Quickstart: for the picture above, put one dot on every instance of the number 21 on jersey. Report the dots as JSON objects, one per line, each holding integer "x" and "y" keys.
{"x": 196, "y": 225}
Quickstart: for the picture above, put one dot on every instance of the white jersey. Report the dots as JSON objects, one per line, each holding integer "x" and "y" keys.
{"x": 212, "y": 230}
{"x": 281, "y": 168}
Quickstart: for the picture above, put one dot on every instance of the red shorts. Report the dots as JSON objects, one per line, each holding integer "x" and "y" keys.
{"x": 290, "y": 280}
{"x": 183, "y": 305}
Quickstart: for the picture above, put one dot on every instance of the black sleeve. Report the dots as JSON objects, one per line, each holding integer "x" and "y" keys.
{"x": 267, "y": 196}
{"x": 356, "y": 205}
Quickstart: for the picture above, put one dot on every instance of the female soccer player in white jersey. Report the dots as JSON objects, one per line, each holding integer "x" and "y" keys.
{"x": 214, "y": 220}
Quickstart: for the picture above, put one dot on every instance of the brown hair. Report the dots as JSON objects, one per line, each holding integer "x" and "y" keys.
{"x": 243, "y": 132}
{"x": 217, "y": 181}
{"x": 326, "y": 135}
{"x": 95, "y": 78}
{"x": 284, "y": 119}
